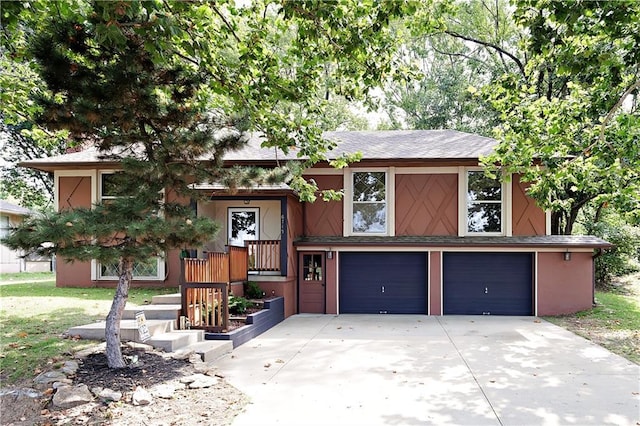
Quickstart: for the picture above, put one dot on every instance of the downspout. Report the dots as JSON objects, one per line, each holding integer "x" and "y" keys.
{"x": 599, "y": 252}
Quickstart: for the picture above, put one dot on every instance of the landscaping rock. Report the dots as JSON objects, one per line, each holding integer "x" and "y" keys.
{"x": 71, "y": 396}
{"x": 199, "y": 381}
{"x": 107, "y": 395}
{"x": 49, "y": 377}
{"x": 195, "y": 358}
{"x": 69, "y": 368}
{"x": 141, "y": 396}
{"x": 99, "y": 348}
{"x": 139, "y": 346}
{"x": 164, "y": 391}
{"x": 182, "y": 354}
{"x": 63, "y": 382}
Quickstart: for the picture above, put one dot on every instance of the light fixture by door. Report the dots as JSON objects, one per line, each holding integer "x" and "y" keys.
{"x": 567, "y": 255}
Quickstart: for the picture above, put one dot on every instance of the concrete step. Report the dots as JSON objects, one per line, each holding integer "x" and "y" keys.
{"x": 128, "y": 329}
{"x": 167, "y": 299}
{"x": 174, "y": 340}
{"x": 153, "y": 312}
{"x": 210, "y": 350}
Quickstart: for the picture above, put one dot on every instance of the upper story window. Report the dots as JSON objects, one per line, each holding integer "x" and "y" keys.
{"x": 484, "y": 204}
{"x": 369, "y": 203}
{"x": 5, "y": 226}
{"x": 108, "y": 186}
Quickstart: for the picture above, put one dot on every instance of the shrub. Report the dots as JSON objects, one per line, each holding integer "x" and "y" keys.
{"x": 238, "y": 305}
{"x": 623, "y": 258}
{"x": 252, "y": 290}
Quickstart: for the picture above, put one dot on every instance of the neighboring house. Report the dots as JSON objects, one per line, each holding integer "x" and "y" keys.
{"x": 420, "y": 230}
{"x": 11, "y": 260}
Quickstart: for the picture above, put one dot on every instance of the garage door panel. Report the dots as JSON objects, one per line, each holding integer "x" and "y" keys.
{"x": 375, "y": 282}
{"x": 488, "y": 283}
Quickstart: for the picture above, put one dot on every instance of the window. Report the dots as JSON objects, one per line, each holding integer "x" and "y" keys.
{"x": 484, "y": 204}
{"x": 369, "y": 203}
{"x": 243, "y": 225}
{"x": 312, "y": 267}
{"x": 151, "y": 269}
{"x": 141, "y": 270}
{"x": 108, "y": 186}
{"x": 5, "y": 226}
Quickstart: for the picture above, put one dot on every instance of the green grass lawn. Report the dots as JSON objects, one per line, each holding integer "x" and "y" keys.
{"x": 614, "y": 323}
{"x": 27, "y": 276}
{"x": 33, "y": 317}
{"x": 615, "y": 311}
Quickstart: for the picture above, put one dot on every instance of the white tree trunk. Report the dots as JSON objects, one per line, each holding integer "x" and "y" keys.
{"x": 112, "y": 327}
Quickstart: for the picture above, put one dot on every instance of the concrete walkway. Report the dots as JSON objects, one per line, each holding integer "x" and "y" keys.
{"x": 416, "y": 370}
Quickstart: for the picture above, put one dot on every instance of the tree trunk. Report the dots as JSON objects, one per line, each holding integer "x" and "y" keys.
{"x": 112, "y": 327}
{"x": 556, "y": 223}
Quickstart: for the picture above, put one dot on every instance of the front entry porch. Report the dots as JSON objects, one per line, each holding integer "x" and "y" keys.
{"x": 207, "y": 283}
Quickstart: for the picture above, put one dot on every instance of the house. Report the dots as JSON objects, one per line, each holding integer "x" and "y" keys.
{"x": 420, "y": 230}
{"x": 11, "y": 261}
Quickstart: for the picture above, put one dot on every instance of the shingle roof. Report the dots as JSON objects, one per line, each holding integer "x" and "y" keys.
{"x": 374, "y": 145}
{"x": 550, "y": 241}
{"x": 9, "y": 208}
{"x": 413, "y": 144}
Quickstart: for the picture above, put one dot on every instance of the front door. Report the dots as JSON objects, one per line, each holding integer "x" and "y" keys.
{"x": 243, "y": 225}
{"x": 311, "y": 279}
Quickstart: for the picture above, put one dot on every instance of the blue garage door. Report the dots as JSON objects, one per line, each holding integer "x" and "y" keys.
{"x": 383, "y": 283}
{"x": 488, "y": 283}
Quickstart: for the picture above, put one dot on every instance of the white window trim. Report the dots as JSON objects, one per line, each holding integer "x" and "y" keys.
{"x": 231, "y": 210}
{"x": 57, "y": 174}
{"x": 505, "y": 211}
{"x": 389, "y": 201}
{"x": 102, "y": 173}
{"x": 96, "y": 267}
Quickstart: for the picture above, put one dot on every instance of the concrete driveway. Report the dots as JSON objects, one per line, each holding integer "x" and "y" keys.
{"x": 415, "y": 370}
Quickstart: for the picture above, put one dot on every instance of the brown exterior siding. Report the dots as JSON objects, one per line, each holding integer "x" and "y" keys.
{"x": 331, "y": 285}
{"x": 286, "y": 289}
{"x": 435, "y": 283}
{"x": 528, "y": 218}
{"x": 426, "y": 204}
{"x": 294, "y": 230}
{"x": 564, "y": 286}
{"x": 74, "y": 192}
{"x": 324, "y": 218}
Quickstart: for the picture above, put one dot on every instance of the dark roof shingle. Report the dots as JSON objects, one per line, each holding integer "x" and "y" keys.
{"x": 374, "y": 145}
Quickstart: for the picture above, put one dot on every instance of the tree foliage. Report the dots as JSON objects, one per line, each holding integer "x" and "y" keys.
{"x": 167, "y": 88}
{"x": 21, "y": 138}
{"x": 570, "y": 119}
{"x": 470, "y": 49}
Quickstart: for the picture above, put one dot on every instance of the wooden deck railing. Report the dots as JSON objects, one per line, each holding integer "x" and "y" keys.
{"x": 264, "y": 255}
{"x": 233, "y": 265}
{"x": 206, "y": 305}
{"x": 238, "y": 263}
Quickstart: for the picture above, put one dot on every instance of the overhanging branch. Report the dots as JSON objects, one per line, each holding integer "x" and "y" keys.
{"x": 491, "y": 45}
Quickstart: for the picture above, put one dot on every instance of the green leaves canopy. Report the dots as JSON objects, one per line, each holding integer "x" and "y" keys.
{"x": 570, "y": 124}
